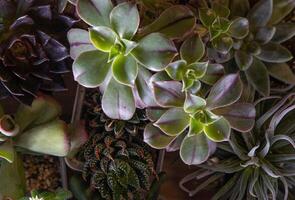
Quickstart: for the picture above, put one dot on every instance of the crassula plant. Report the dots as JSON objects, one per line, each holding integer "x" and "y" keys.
{"x": 33, "y": 53}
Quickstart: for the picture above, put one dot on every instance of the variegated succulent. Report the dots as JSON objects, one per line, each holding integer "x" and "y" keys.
{"x": 258, "y": 164}
{"x": 33, "y": 55}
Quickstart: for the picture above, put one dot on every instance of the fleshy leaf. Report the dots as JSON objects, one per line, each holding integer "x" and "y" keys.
{"x": 195, "y": 149}
{"x": 282, "y": 72}
{"x": 239, "y": 28}
{"x": 243, "y": 59}
{"x": 220, "y": 10}
{"x": 264, "y": 34}
{"x": 213, "y": 73}
{"x": 195, "y": 127}
{"x": 173, "y": 122}
{"x": 281, "y": 35}
{"x": 199, "y": 69}
{"x": 91, "y": 68}
{"x": 155, "y": 51}
{"x": 241, "y": 116}
{"x": 102, "y": 38}
{"x": 79, "y": 42}
{"x": 95, "y": 12}
{"x": 174, "y": 23}
{"x": 225, "y": 92}
{"x": 207, "y": 16}
{"x": 193, "y": 103}
{"x": 154, "y": 137}
{"x": 261, "y": 13}
{"x": 176, "y": 69}
{"x": 223, "y": 44}
{"x": 257, "y": 75}
{"x": 125, "y": 20}
{"x": 125, "y": 69}
{"x": 192, "y": 49}
{"x": 239, "y": 7}
{"x": 36, "y": 139}
{"x": 118, "y": 101}
{"x": 218, "y": 131}
{"x": 168, "y": 93}
{"x": 7, "y": 151}
{"x": 153, "y": 114}
{"x": 281, "y": 8}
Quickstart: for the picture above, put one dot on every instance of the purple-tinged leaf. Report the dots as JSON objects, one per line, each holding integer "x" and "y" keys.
{"x": 192, "y": 49}
{"x": 275, "y": 53}
{"x": 239, "y": 28}
{"x": 213, "y": 73}
{"x": 281, "y": 8}
{"x": 260, "y": 13}
{"x": 239, "y": 7}
{"x": 176, "y": 143}
{"x": 193, "y": 103}
{"x": 282, "y": 72}
{"x": 264, "y": 34}
{"x": 243, "y": 59}
{"x": 281, "y": 35}
{"x": 153, "y": 114}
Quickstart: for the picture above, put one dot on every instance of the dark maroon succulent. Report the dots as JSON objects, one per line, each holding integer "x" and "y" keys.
{"x": 33, "y": 52}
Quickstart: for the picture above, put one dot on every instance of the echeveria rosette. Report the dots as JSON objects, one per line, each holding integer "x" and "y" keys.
{"x": 36, "y": 128}
{"x": 108, "y": 56}
{"x": 33, "y": 56}
{"x": 193, "y": 124}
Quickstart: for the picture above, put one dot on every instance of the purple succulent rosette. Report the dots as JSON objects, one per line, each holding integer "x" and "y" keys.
{"x": 33, "y": 52}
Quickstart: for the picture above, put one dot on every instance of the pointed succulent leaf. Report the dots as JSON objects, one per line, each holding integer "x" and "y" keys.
{"x": 282, "y": 72}
{"x": 239, "y": 28}
{"x": 196, "y": 149}
{"x": 7, "y": 151}
{"x": 281, "y": 8}
{"x": 79, "y": 42}
{"x": 174, "y": 23}
{"x": 258, "y": 77}
{"x": 102, "y": 38}
{"x": 260, "y": 13}
{"x": 193, "y": 103}
{"x": 223, "y": 44}
{"x": 118, "y": 101}
{"x": 176, "y": 143}
{"x": 154, "y": 51}
{"x": 95, "y": 12}
{"x": 187, "y": 83}
{"x": 154, "y": 137}
{"x": 265, "y": 34}
{"x": 225, "y": 92}
{"x": 129, "y": 45}
{"x": 194, "y": 88}
{"x": 125, "y": 20}
{"x": 199, "y": 69}
{"x": 239, "y": 7}
{"x": 220, "y": 10}
{"x": 192, "y": 49}
{"x": 173, "y": 122}
{"x": 241, "y": 116}
{"x": 213, "y": 73}
{"x": 243, "y": 59}
{"x": 218, "y": 131}
{"x": 168, "y": 93}
{"x": 195, "y": 127}
{"x": 37, "y": 139}
{"x": 91, "y": 68}
{"x": 207, "y": 16}
{"x": 176, "y": 69}
{"x": 125, "y": 69}
{"x": 281, "y": 35}
{"x": 153, "y": 114}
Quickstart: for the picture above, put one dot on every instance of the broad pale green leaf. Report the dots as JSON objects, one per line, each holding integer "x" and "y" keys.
{"x": 284, "y": 32}
{"x": 195, "y": 149}
{"x": 239, "y": 28}
{"x": 176, "y": 69}
{"x": 173, "y": 122}
{"x": 118, "y": 101}
{"x": 125, "y": 20}
{"x": 195, "y": 127}
{"x": 192, "y": 49}
{"x": 239, "y": 7}
{"x": 12, "y": 176}
{"x": 37, "y": 139}
{"x": 241, "y": 116}
{"x": 258, "y": 77}
{"x": 102, "y": 38}
{"x": 168, "y": 93}
{"x": 218, "y": 131}
{"x": 198, "y": 69}
{"x": 95, "y": 12}
{"x": 281, "y": 8}
{"x": 207, "y": 16}
{"x": 129, "y": 46}
{"x": 193, "y": 103}
{"x": 282, "y": 72}
{"x": 220, "y": 10}
{"x": 243, "y": 59}
{"x": 154, "y": 137}
{"x": 7, "y": 151}
{"x": 125, "y": 70}
{"x": 155, "y": 51}
{"x": 91, "y": 68}
{"x": 223, "y": 44}
{"x": 260, "y": 13}
{"x": 174, "y": 23}
{"x": 213, "y": 73}
{"x": 225, "y": 92}
{"x": 79, "y": 42}
{"x": 265, "y": 34}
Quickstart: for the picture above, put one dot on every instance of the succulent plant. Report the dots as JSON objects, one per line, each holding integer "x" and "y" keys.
{"x": 261, "y": 53}
{"x": 33, "y": 55}
{"x": 193, "y": 124}
{"x": 60, "y": 194}
{"x": 258, "y": 164}
{"x": 97, "y": 120}
{"x": 36, "y": 128}
{"x": 116, "y": 168}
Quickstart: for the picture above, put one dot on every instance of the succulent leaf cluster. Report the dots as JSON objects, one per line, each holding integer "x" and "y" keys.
{"x": 60, "y": 194}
